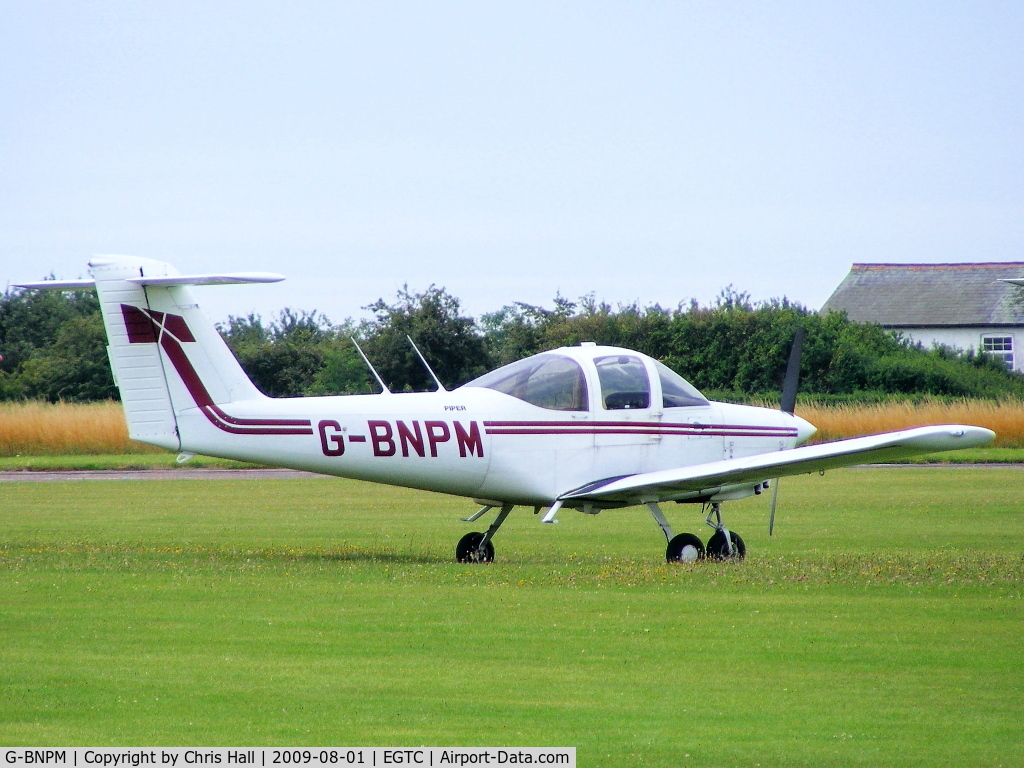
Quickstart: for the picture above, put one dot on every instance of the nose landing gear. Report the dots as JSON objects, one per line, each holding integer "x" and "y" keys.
{"x": 477, "y": 547}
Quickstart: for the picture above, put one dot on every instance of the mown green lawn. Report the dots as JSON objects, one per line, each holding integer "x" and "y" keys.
{"x": 881, "y": 625}
{"x": 168, "y": 460}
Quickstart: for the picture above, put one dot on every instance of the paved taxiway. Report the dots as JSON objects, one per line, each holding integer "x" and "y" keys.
{"x": 155, "y": 474}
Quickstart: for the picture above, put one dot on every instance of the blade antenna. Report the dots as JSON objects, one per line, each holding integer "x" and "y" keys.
{"x": 369, "y": 365}
{"x": 440, "y": 386}
{"x": 787, "y": 404}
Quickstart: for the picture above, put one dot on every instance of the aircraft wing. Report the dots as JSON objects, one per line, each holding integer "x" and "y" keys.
{"x": 702, "y": 480}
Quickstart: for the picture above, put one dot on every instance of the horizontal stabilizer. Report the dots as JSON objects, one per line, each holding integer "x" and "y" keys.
{"x": 60, "y": 285}
{"x": 701, "y": 479}
{"x": 226, "y": 278}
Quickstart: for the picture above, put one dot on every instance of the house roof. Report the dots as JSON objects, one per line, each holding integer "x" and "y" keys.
{"x": 932, "y": 294}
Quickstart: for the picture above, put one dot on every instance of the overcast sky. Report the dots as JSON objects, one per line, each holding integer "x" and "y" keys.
{"x": 647, "y": 151}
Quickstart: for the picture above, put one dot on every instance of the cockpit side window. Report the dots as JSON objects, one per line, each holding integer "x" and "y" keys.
{"x": 624, "y": 382}
{"x": 548, "y": 381}
{"x": 677, "y": 392}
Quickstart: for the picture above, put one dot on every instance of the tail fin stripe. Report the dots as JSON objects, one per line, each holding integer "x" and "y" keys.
{"x": 146, "y": 326}
{"x": 188, "y": 374}
{"x": 139, "y": 325}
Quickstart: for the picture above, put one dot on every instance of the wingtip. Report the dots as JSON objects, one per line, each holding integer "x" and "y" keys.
{"x": 977, "y": 435}
{"x": 952, "y": 437}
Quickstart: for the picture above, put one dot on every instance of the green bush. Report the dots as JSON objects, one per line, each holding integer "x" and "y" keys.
{"x": 53, "y": 348}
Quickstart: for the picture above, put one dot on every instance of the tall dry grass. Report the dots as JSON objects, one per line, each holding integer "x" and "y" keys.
{"x": 42, "y": 429}
{"x": 1005, "y": 418}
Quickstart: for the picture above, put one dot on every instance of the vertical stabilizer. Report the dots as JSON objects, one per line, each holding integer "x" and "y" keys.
{"x": 166, "y": 356}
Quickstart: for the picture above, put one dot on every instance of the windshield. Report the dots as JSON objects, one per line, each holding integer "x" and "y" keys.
{"x": 547, "y": 381}
{"x": 677, "y": 392}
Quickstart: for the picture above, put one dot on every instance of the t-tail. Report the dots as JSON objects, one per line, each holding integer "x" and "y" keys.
{"x": 169, "y": 362}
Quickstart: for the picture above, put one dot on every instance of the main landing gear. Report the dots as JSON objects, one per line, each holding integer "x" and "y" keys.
{"x": 724, "y": 544}
{"x": 687, "y": 548}
{"x": 477, "y": 547}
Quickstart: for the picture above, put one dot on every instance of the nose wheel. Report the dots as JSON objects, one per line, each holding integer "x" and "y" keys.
{"x": 473, "y": 549}
{"x": 477, "y": 547}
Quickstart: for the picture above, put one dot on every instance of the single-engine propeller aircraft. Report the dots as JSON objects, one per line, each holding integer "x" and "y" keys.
{"x": 587, "y": 428}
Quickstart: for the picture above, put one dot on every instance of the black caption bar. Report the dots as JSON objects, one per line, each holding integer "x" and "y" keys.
{"x": 250, "y": 757}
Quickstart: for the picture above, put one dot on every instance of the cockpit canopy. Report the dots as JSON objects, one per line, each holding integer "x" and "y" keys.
{"x": 550, "y": 381}
{"x": 558, "y": 382}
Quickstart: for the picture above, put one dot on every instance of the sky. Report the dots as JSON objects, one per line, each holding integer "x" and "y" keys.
{"x": 509, "y": 151}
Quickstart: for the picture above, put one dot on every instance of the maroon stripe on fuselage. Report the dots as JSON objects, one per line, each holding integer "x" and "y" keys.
{"x": 736, "y": 432}
{"x": 217, "y": 422}
{"x": 260, "y": 422}
{"x": 634, "y": 428}
{"x": 653, "y": 425}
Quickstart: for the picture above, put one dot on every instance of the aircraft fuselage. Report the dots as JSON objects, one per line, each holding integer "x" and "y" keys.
{"x": 479, "y": 443}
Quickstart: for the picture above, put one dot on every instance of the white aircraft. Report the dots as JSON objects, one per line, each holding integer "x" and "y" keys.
{"x": 588, "y": 428}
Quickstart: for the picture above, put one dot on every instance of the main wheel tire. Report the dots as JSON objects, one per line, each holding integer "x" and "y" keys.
{"x": 685, "y": 548}
{"x": 468, "y": 550}
{"x": 718, "y": 549}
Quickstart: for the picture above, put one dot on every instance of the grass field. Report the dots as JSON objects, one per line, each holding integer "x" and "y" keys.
{"x": 162, "y": 461}
{"x": 880, "y": 626}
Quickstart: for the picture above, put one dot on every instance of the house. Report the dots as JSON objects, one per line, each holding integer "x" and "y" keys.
{"x": 964, "y": 306}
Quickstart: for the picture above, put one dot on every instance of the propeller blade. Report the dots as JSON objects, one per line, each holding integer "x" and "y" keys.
{"x": 789, "y": 385}
{"x": 771, "y": 512}
{"x": 787, "y": 403}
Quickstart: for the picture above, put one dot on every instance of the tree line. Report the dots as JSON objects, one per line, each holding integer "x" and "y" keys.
{"x": 53, "y": 347}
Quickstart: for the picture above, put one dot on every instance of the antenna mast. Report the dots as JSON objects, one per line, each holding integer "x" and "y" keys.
{"x": 440, "y": 386}
{"x": 369, "y": 365}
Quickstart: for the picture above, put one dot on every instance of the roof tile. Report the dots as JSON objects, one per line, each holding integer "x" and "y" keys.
{"x": 932, "y": 294}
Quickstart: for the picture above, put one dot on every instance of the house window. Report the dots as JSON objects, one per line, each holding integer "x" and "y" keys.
{"x": 1000, "y": 347}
